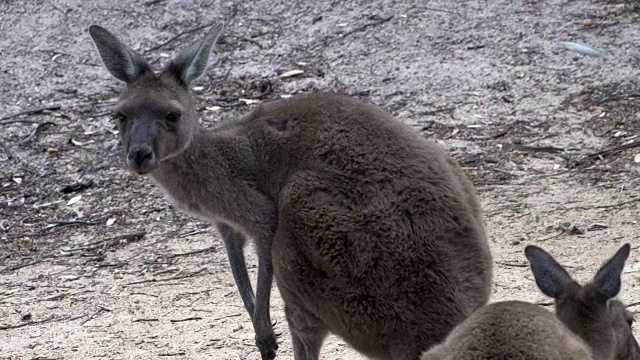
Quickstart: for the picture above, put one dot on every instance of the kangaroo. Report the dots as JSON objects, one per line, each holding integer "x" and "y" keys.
{"x": 511, "y": 330}
{"x": 370, "y": 230}
{"x": 590, "y": 311}
{"x": 588, "y": 324}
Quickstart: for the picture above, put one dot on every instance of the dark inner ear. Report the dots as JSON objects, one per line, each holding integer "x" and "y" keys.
{"x": 552, "y": 279}
{"x": 121, "y": 61}
{"x": 191, "y": 63}
{"x": 607, "y": 280}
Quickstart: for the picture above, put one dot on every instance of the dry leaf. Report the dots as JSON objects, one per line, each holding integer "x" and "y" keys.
{"x": 583, "y": 49}
{"x": 74, "y": 200}
{"x": 76, "y": 142}
{"x": 636, "y": 158}
{"x": 291, "y": 73}
{"x": 111, "y": 221}
{"x": 17, "y": 180}
{"x": 250, "y": 101}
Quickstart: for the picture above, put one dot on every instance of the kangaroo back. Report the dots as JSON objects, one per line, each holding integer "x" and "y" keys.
{"x": 511, "y": 330}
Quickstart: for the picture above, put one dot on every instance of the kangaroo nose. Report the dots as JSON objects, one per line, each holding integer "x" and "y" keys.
{"x": 141, "y": 158}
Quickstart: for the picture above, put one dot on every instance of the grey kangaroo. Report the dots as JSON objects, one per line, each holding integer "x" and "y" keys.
{"x": 588, "y": 324}
{"x": 372, "y": 232}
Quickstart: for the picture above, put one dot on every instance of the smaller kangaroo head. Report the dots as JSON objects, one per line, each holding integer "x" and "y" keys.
{"x": 590, "y": 311}
{"x": 155, "y": 113}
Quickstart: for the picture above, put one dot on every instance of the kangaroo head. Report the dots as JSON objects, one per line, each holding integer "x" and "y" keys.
{"x": 156, "y": 115}
{"x": 590, "y": 311}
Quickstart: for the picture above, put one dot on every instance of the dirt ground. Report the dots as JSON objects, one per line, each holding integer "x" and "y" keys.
{"x": 94, "y": 263}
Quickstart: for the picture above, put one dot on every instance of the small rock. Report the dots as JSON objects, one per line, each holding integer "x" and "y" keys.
{"x": 569, "y": 228}
{"x": 519, "y": 74}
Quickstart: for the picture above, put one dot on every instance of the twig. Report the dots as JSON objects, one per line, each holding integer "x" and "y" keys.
{"x": 618, "y": 98}
{"x": 186, "y": 319}
{"x": 380, "y": 21}
{"x": 5, "y": 120}
{"x": 67, "y": 223}
{"x": 633, "y": 304}
{"x": 100, "y": 309}
{"x": 179, "y": 353}
{"x": 17, "y": 267}
{"x": 177, "y": 277}
{"x": 17, "y": 326}
{"x": 494, "y": 136}
{"x": 210, "y": 248}
{"x": 152, "y": 2}
{"x": 436, "y": 111}
{"x": 145, "y": 294}
{"x": 145, "y": 320}
{"x": 545, "y": 149}
{"x": 606, "y": 206}
{"x": 152, "y": 210}
{"x": 552, "y": 236}
{"x": 511, "y": 264}
{"x": 226, "y": 316}
{"x": 195, "y": 232}
{"x": 176, "y": 37}
{"x": 610, "y": 151}
{"x": 111, "y": 240}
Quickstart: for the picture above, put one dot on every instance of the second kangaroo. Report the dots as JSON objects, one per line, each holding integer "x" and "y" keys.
{"x": 589, "y": 324}
{"x": 372, "y": 232}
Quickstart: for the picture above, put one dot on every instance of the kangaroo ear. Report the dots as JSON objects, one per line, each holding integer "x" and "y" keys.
{"x": 191, "y": 63}
{"x": 607, "y": 280}
{"x": 122, "y": 62}
{"x": 551, "y": 277}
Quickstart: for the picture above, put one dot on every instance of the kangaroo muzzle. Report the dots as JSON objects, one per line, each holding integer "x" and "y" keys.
{"x": 142, "y": 159}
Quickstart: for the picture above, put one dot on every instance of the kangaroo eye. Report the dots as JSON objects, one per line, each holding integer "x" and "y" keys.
{"x": 172, "y": 117}
{"x": 121, "y": 117}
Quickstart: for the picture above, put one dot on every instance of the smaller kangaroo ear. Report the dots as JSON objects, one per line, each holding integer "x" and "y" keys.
{"x": 551, "y": 277}
{"x": 191, "y": 63}
{"x": 122, "y": 62}
{"x": 607, "y": 280}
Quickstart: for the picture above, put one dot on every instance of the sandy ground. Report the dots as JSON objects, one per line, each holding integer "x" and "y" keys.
{"x": 549, "y": 137}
